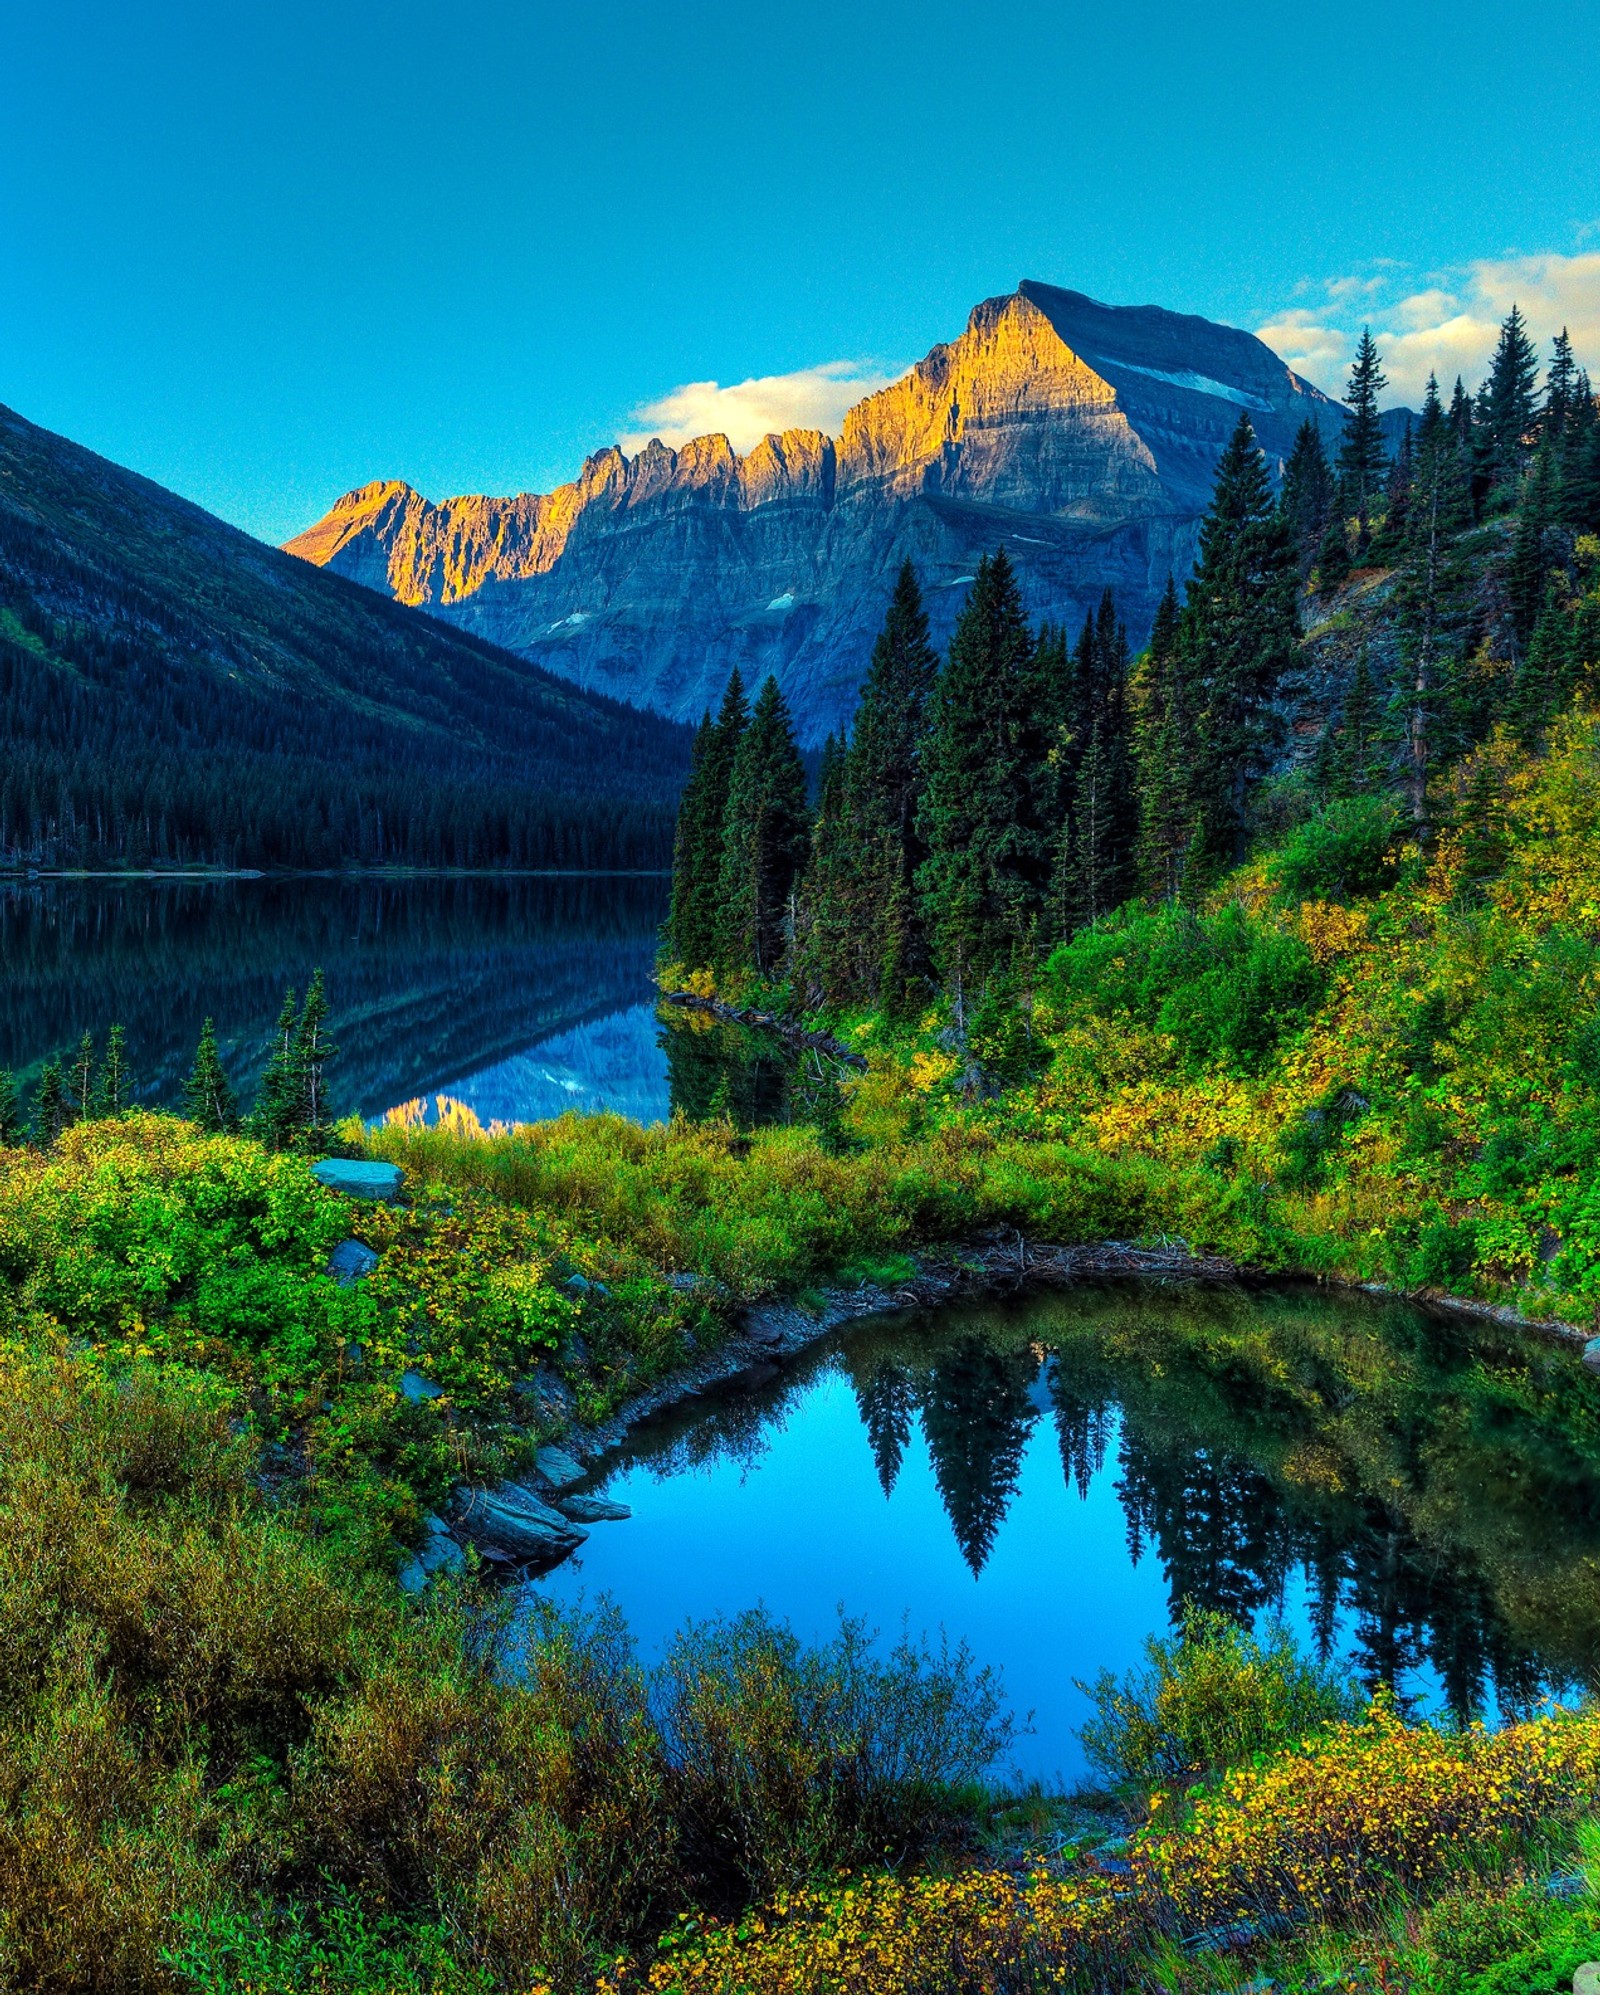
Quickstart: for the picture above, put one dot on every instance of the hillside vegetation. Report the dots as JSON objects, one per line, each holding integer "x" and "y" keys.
{"x": 173, "y": 692}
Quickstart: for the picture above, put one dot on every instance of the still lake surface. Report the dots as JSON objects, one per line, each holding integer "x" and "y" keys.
{"x": 520, "y": 997}
{"x": 1048, "y": 1481}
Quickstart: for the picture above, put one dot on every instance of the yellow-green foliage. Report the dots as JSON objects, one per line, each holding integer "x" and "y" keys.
{"x": 1380, "y": 1065}
{"x": 1344, "y": 1828}
{"x": 778, "y": 1206}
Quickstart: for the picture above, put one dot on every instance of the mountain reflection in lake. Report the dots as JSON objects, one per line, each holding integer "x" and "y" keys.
{"x": 521, "y": 998}
{"x": 1050, "y": 1480}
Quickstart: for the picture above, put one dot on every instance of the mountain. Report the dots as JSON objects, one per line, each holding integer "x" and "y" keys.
{"x": 1083, "y": 436}
{"x": 173, "y": 691}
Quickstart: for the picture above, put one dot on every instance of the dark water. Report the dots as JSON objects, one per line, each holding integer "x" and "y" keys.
{"x": 519, "y": 997}
{"x": 1050, "y": 1481}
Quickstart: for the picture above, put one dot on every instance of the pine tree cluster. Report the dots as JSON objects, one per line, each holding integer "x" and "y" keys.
{"x": 984, "y": 807}
{"x": 291, "y": 1108}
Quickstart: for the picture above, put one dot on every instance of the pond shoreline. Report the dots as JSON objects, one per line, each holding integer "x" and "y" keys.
{"x": 996, "y": 1264}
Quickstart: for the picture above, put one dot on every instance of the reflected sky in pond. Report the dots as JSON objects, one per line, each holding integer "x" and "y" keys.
{"x": 1050, "y": 1481}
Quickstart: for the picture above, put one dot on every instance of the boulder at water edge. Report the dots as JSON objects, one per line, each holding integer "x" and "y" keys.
{"x": 558, "y": 1468}
{"x": 513, "y": 1519}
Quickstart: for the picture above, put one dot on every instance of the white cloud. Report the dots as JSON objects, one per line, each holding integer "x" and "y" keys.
{"x": 1447, "y": 325}
{"x": 746, "y": 411}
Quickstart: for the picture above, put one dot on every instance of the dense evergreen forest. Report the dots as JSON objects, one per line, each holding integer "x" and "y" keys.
{"x": 1344, "y": 641}
{"x": 174, "y": 693}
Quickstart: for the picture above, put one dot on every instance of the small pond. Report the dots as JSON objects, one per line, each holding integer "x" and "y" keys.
{"x": 1050, "y": 1479}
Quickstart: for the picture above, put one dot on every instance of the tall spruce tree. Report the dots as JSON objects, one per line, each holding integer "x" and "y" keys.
{"x": 765, "y": 837}
{"x": 208, "y": 1100}
{"x": 1433, "y": 602}
{"x": 276, "y": 1115}
{"x": 1306, "y": 498}
{"x": 80, "y": 1089}
{"x": 1241, "y": 630}
{"x": 1508, "y": 405}
{"x": 694, "y": 922}
{"x": 1530, "y": 559}
{"x": 1363, "y": 460}
{"x": 1165, "y": 756}
{"x": 1353, "y": 753}
{"x": 826, "y": 938}
{"x": 309, "y": 1055}
{"x": 1561, "y": 389}
{"x": 52, "y": 1111}
{"x": 686, "y": 849}
{"x": 985, "y": 882}
{"x": 883, "y": 785}
{"x": 11, "y": 1129}
{"x": 115, "y": 1092}
{"x": 1101, "y": 830}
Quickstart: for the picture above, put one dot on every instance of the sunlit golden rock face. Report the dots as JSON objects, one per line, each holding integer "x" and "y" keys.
{"x": 1082, "y": 437}
{"x": 1008, "y": 414}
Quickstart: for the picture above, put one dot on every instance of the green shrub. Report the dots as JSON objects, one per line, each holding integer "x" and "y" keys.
{"x": 1225, "y": 987}
{"x": 1343, "y": 853}
{"x": 794, "y": 1760}
{"x": 1210, "y": 1698}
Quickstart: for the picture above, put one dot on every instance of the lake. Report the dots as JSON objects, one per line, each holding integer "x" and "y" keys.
{"x": 1049, "y": 1480}
{"x": 520, "y": 997}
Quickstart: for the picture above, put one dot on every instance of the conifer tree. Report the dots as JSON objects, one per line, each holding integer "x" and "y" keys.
{"x": 276, "y": 1115}
{"x": 115, "y": 1092}
{"x": 1389, "y": 542}
{"x": 1353, "y": 747}
{"x": 985, "y": 880}
{"x": 1333, "y": 556}
{"x": 826, "y": 939}
{"x": 764, "y": 840}
{"x": 686, "y": 849}
{"x": 1546, "y": 672}
{"x": 80, "y": 1081}
{"x": 1580, "y": 470}
{"x": 695, "y": 918}
{"x": 1306, "y": 498}
{"x": 1164, "y": 757}
{"x": 1508, "y": 405}
{"x": 1241, "y": 630}
{"x": 11, "y": 1130}
{"x": 208, "y": 1100}
{"x": 1101, "y": 831}
{"x": 309, "y": 1056}
{"x": 1529, "y": 561}
{"x": 1362, "y": 458}
{"x": 883, "y": 778}
{"x": 1561, "y": 390}
{"x": 52, "y": 1112}
{"x": 1432, "y": 599}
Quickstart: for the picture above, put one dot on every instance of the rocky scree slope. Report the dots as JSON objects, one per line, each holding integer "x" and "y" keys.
{"x": 1084, "y": 437}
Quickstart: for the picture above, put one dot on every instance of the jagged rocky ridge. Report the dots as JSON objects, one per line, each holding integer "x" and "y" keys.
{"x": 1083, "y": 436}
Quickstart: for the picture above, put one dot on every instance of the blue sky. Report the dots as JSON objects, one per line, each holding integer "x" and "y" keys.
{"x": 265, "y": 252}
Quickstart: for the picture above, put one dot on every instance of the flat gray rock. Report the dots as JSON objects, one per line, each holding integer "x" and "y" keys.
{"x": 417, "y": 1388}
{"x": 351, "y": 1261}
{"x": 513, "y": 1519}
{"x": 1591, "y": 1354}
{"x": 1586, "y": 1980}
{"x": 359, "y": 1177}
{"x": 592, "y": 1509}
{"x": 558, "y": 1468}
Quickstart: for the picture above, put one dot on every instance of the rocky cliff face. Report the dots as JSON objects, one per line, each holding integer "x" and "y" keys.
{"x": 1082, "y": 437}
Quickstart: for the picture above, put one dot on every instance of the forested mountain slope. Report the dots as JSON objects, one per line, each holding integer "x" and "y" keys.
{"x": 172, "y": 691}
